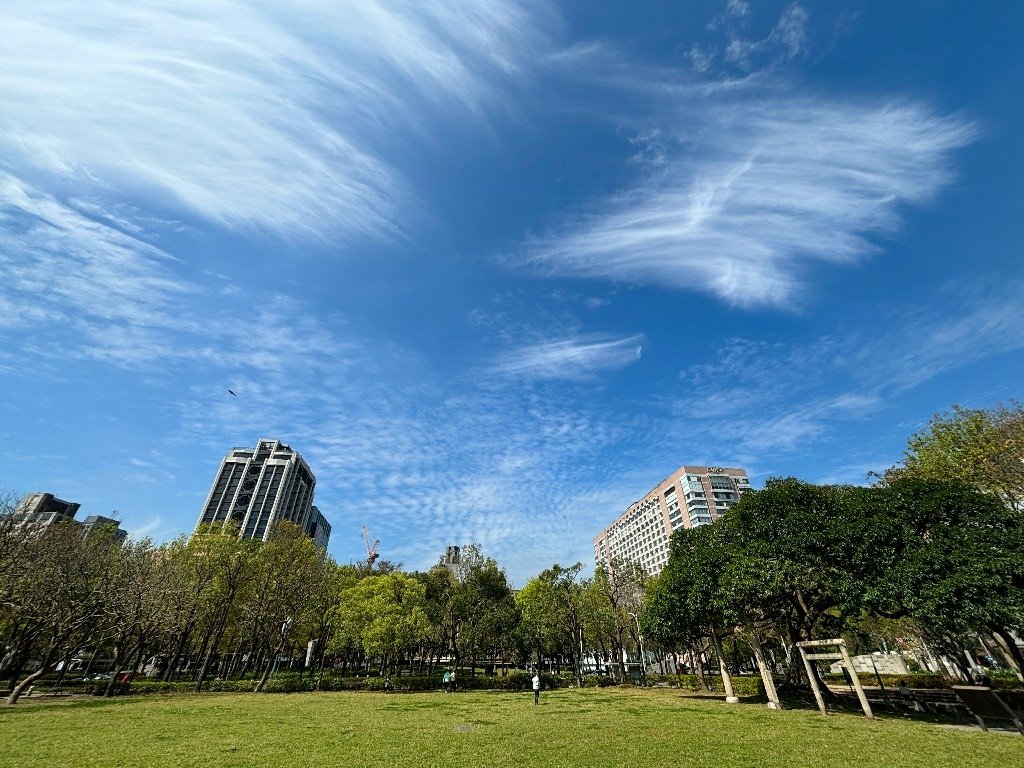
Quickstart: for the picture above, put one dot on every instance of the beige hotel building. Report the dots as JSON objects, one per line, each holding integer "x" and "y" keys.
{"x": 688, "y": 498}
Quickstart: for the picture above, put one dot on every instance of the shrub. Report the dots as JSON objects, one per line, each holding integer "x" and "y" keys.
{"x": 743, "y": 685}
{"x": 146, "y": 687}
{"x": 1004, "y": 675}
{"x": 598, "y": 681}
{"x": 338, "y": 683}
{"x": 230, "y": 686}
{"x": 920, "y": 680}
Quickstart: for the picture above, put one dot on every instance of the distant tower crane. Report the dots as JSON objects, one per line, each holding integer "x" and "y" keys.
{"x": 372, "y": 553}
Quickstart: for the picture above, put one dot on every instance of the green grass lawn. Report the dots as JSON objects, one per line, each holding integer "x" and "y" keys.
{"x": 591, "y": 727}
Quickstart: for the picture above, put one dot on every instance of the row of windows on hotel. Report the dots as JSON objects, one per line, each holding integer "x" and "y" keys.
{"x": 642, "y": 536}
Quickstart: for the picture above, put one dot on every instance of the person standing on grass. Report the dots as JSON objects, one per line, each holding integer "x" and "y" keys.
{"x": 453, "y": 681}
{"x": 536, "y": 688}
{"x": 447, "y": 681}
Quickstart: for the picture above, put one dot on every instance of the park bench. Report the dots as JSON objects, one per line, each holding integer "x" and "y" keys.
{"x": 984, "y": 703}
{"x": 937, "y": 701}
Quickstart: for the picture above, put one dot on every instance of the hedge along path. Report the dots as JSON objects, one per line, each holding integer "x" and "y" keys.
{"x": 591, "y": 727}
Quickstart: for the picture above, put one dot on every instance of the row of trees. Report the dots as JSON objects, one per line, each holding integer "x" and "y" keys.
{"x": 934, "y": 550}
{"x": 213, "y": 605}
{"x": 931, "y": 555}
{"x": 923, "y": 559}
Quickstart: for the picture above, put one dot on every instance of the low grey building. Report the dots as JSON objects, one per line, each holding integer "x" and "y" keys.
{"x": 95, "y": 523}
{"x": 41, "y": 510}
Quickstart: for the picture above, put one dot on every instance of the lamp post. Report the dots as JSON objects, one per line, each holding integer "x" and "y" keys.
{"x": 640, "y": 639}
{"x": 580, "y": 670}
{"x": 878, "y": 677}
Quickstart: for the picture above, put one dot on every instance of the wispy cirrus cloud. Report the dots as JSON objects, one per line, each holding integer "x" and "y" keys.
{"x": 571, "y": 358}
{"x": 762, "y": 398}
{"x": 741, "y": 186}
{"x": 77, "y": 288}
{"x": 246, "y": 114}
{"x": 457, "y": 458}
{"x": 786, "y": 40}
{"x": 756, "y": 191}
{"x": 743, "y": 50}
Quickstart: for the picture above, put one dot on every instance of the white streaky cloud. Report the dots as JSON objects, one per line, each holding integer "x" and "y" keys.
{"x": 737, "y": 8}
{"x": 573, "y": 358}
{"x": 786, "y": 40}
{"x": 455, "y": 457}
{"x": 761, "y": 397}
{"x": 758, "y": 192}
{"x": 84, "y": 289}
{"x": 251, "y": 115}
{"x": 791, "y": 31}
{"x": 60, "y": 262}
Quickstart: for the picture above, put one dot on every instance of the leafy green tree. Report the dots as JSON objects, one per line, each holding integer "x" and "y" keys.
{"x": 959, "y": 568}
{"x": 386, "y": 613}
{"x": 601, "y": 622}
{"x": 14, "y": 544}
{"x": 61, "y": 595}
{"x": 324, "y": 598}
{"x": 686, "y": 603}
{"x": 983, "y": 448}
{"x": 231, "y": 561}
{"x": 285, "y": 567}
{"x": 188, "y": 575}
{"x": 621, "y": 588}
{"x": 551, "y": 605}
{"x": 136, "y": 605}
{"x": 486, "y": 608}
{"x": 470, "y": 606}
{"x": 802, "y": 554}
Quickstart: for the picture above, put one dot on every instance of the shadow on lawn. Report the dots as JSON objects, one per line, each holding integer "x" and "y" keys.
{"x": 884, "y": 706}
{"x": 845, "y": 703}
{"x": 33, "y": 703}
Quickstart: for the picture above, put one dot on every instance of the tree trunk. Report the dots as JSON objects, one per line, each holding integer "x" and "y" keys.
{"x": 270, "y": 665}
{"x": 205, "y": 670}
{"x": 723, "y": 670}
{"x": 1016, "y": 658}
{"x": 766, "y": 674}
{"x": 20, "y": 660}
{"x": 618, "y": 649}
{"x": 115, "y": 671}
{"x": 179, "y": 646}
{"x": 45, "y": 667}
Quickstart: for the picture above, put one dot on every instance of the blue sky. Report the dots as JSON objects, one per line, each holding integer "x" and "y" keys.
{"x": 497, "y": 268}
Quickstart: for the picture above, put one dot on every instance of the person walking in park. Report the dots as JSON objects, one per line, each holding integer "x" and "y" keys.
{"x": 536, "y": 688}
{"x": 452, "y": 681}
{"x": 447, "y": 681}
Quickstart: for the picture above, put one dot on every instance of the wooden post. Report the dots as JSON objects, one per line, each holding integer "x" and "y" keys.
{"x": 813, "y": 678}
{"x": 842, "y": 656}
{"x": 848, "y": 663}
{"x": 766, "y": 674}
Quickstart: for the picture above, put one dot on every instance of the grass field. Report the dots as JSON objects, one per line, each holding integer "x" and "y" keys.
{"x": 599, "y": 727}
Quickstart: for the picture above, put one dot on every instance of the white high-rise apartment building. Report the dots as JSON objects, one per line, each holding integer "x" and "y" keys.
{"x": 688, "y": 498}
{"x": 256, "y": 488}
